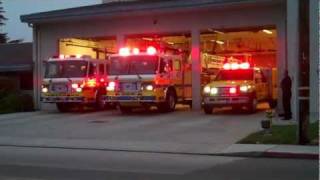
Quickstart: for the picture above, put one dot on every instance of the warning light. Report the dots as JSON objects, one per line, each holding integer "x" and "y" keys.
{"x": 91, "y": 83}
{"x": 232, "y": 90}
{"x": 111, "y": 86}
{"x": 234, "y": 66}
{"x": 61, "y": 56}
{"x": 245, "y": 65}
{"x": 227, "y": 66}
{"x": 124, "y": 51}
{"x": 135, "y": 51}
{"x": 151, "y": 50}
{"x": 78, "y": 56}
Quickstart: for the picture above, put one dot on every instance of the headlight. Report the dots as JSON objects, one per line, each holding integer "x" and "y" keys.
{"x": 244, "y": 88}
{"x": 111, "y": 86}
{"x": 74, "y": 85}
{"x": 79, "y": 89}
{"x": 214, "y": 91}
{"x": 206, "y": 90}
{"x": 44, "y": 90}
{"x": 149, "y": 87}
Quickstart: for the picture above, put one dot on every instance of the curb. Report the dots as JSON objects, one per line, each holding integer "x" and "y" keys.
{"x": 252, "y": 154}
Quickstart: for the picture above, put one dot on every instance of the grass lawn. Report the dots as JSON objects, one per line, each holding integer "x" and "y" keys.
{"x": 280, "y": 135}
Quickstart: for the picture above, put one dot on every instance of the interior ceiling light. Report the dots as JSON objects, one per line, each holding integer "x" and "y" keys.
{"x": 218, "y": 32}
{"x": 219, "y": 42}
{"x": 267, "y": 31}
{"x": 147, "y": 39}
{"x": 171, "y": 43}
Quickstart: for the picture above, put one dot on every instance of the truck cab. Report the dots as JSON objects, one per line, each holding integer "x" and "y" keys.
{"x": 145, "y": 79}
{"x": 237, "y": 85}
{"x": 71, "y": 81}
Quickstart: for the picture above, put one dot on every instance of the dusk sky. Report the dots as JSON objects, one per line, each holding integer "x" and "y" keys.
{"x": 15, "y": 8}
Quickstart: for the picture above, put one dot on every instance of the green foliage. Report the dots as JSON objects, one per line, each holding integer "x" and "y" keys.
{"x": 280, "y": 135}
{"x": 14, "y": 102}
{"x": 3, "y": 36}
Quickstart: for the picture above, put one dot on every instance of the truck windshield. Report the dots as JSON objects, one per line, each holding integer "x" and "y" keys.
{"x": 234, "y": 75}
{"x": 66, "y": 69}
{"x": 131, "y": 65}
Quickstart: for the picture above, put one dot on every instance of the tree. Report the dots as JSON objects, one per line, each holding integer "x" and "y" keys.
{"x": 3, "y": 36}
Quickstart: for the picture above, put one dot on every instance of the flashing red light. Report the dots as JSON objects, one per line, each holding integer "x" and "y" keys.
{"x": 235, "y": 66}
{"x": 227, "y": 66}
{"x": 151, "y": 50}
{"x": 232, "y": 90}
{"x": 102, "y": 80}
{"x": 245, "y": 65}
{"x": 124, "y": 51}
{"x": 135, "y": 51}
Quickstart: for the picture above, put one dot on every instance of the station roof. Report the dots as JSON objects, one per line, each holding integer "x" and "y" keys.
{"x": 126, "y": 8}
{"x": 16, "y": 57}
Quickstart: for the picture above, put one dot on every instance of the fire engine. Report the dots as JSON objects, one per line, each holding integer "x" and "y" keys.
{"x": 147, "y": 78}
{"x": 71, "y": 81}
{"x": 237, "y": 85}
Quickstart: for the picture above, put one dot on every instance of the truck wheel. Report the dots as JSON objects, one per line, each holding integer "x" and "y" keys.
{"x": 208, "y": 109}
{"x": 63, "y": 107}
{"x": 99, "y": 105}
{"x": 170, "y": 104}
{"x": 252, "y": 106}
{"x": 124, "y": 109}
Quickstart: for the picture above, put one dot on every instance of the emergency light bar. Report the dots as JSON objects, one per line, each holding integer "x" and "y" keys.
{"x": 125, "y": 51}
{"x": 235, "y": 66}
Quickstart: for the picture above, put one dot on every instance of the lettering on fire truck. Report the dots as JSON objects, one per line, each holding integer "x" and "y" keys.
{"x": 147, "y": 78}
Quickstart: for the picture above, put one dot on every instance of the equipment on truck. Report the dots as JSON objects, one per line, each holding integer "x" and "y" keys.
{"x": 237, "y": 85}
{"x": 149, "y": 78}
{"x": 71, "y": 81}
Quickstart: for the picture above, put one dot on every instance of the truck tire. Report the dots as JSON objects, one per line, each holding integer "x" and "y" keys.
{"x": 207, "y": 109}
{"x": 125, "y": 109}
{"x": 63, "y": 107}
{"x": 252, "y": 106}
{"x": 170, "y": 104}
{"x": 99, "y": 105}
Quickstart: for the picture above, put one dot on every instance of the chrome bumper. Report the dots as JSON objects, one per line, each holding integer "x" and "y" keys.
{"x": 142, "y": 99}
{"x": 56, "y": 99}
{"x": 224, "y": 100}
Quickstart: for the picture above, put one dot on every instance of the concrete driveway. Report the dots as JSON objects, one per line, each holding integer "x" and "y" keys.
{"x": 182, "y": 131}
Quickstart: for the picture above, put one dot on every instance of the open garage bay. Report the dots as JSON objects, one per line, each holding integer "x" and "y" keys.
{"x": 182, "y": 131}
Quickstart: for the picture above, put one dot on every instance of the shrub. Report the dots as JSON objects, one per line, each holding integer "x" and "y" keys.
{"x": 14, "y": 102}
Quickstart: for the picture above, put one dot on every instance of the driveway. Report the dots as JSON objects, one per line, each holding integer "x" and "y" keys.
{"x": 183, "y": 131}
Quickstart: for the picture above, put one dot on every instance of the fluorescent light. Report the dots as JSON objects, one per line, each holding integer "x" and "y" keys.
{"x": 147, "y": 39}
{"x": 171, "y": 43}
{"x": 219, "y": 42}
{"x": 218, "y": 32}
{"x": 267, "y": 31}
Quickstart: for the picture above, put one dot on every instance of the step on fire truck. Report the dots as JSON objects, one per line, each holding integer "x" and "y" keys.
{"x": 71, "y": 81}
{"x": 149, "y": 78}
{"x": 238, "y": 85}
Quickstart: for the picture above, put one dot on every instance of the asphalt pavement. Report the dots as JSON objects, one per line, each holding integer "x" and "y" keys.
{"x": 17, "y": 163}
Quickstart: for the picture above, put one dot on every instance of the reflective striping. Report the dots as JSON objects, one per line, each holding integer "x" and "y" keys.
{"x": 129, "y": 98}
{"x": 54, "y": 99}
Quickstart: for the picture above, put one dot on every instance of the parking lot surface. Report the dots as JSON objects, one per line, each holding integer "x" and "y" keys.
{"x": 182, "y": 131}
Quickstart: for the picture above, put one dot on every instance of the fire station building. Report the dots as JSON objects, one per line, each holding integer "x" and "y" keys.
{"x": 275, "y": 34}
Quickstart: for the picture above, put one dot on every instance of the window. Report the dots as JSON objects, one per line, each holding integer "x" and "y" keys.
{"x": 92, "y": 69}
